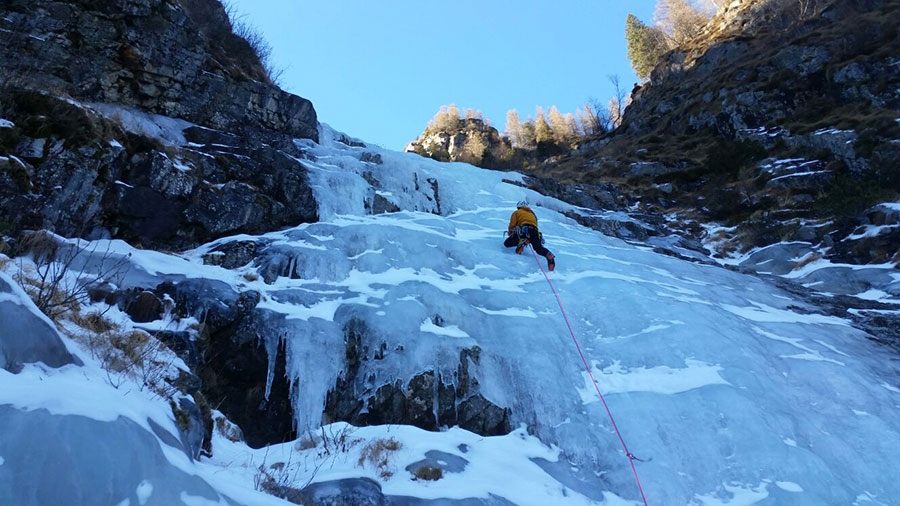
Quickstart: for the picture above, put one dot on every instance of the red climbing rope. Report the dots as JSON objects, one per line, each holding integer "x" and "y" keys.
{"x": 631, "y": 457}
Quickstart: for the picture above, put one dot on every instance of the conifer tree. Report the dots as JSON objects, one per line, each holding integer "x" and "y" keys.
{"x": 646, "y": 45}
{"x": 542, "y": 131}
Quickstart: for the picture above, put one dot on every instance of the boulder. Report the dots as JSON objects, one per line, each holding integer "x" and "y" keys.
{"x": 26, "y": 335}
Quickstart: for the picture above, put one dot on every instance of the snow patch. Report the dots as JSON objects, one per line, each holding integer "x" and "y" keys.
{"x": 735, "y": 494}
{"x": 765, "y": 313}
{"x": 162, "y": 128}
{"x": 144, "y": 491}
{"x": 449, "y": 331}
{"x": 5, "y": 123}
{"x": 617, "y": 379}
{"x": 789, "y": 486}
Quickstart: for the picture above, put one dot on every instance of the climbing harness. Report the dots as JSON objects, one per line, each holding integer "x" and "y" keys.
{"x": 628, "y": 454}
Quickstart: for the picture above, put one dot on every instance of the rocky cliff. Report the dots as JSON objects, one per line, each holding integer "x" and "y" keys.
{"x": 780, "y": 120}
{"x": 144, "y": 120}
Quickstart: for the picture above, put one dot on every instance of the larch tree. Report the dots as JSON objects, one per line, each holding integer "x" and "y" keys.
{"x": 572, "y": 124}
{"x": 446, "y": 119}
{"x": 514, "y": 127}
{"x": 680, "y": 20}
{"x": 473, "y": 114}
{"x": 558, "y": 126}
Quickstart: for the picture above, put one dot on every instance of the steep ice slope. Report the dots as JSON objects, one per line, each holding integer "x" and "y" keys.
{"x": 729, "y": 391}
{"x": 720, "y": 381}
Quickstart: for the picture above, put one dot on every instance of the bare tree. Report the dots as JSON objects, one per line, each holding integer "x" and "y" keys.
{"x": 681, "y": 20}
{"x": 618, "y": 102}
{"x": 590, "y": 123}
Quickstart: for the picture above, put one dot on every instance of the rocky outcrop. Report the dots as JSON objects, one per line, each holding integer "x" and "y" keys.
{"x": 427, "y": 400}
{"x": 174, "y": 58}
{"x": 470, "y": 141}
{"x": 768, "y": 63}
{"x": 76, "y": 169}
{"x": 145, "y": 121}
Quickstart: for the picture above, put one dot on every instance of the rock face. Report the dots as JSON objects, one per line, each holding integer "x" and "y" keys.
{"x": 145, "y": 121}
{"x": 175, "y": 58}
{"x": 425, "y": 401}
{"x": 780, "y": 116}
{"x": 762, "y": 64}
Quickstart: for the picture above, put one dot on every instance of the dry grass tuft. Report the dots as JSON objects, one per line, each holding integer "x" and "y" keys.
{"x": 378, "y": 453}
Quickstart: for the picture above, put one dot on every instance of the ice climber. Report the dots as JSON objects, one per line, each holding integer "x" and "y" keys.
{"x": 523, "y": 230}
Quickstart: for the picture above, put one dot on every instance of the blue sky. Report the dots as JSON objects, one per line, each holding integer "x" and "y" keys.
{"x": 380, "y": 70}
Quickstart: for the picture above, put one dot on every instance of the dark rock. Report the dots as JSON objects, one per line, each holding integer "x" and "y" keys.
{"x": 231, "y": 356}
{"x": 235, "y": 371}
{"x": 363, "y": 399}
{"x": 420, "y": 401}
{"x": 371, "y": 158}
{"x": 446, "y": 399}
{"x": 201, "y": 135}
{"x": 346, "y": 492}
{"x": 388, "y": 405}
{"x": 481, "y": 416}
{"x": 146, "y": 307}
{"x": 167, "y": 57}
{"x": 381, "y": 205}
{"x": 234, "y": 254}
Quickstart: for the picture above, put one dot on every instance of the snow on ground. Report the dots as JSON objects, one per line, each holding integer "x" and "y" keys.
{"x": 805, "y": 263}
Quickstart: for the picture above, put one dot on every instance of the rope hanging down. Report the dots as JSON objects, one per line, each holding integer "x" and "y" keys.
{"x": 631, "y": 457}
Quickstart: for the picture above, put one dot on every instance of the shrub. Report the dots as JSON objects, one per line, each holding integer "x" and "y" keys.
{"x": 94, "y": 321}
{"x": 53, "y": 285}
{"x": 429, "y": 473}
{"x": 378, "y": 454}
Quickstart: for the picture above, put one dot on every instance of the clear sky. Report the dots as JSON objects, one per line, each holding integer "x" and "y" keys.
{"x": 380, "y": 70}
